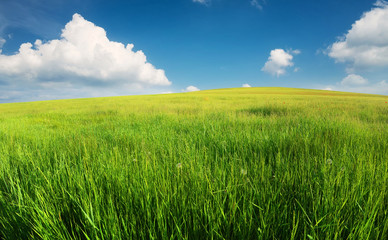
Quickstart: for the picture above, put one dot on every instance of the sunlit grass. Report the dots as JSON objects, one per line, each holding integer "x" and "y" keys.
{"x": 252, "y": 163}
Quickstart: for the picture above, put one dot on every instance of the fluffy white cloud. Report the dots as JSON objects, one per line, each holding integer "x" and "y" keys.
{"x": 354, "y": 80}
{"x": 246, "y": 85}
{"x": 366, "y": 44}
{"x": 82, "y": 56}
{"x": 191, "y": 89}
{"x": 278, "y": 61}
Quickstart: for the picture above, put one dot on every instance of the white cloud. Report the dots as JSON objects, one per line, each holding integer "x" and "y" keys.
{"x": 204, "y": 2}
{"x": 366, "y": 44}
{"x": 83, "y": 56}
{"x": 354, "y": 80}
{"x": 328, "y": 89}
{"x": 372, "y": 88}
{"x": 278, "y": 61}
{"x": 358, "y": 84}
{"x": 257, "y": 4}
{"x": 191, "y": 89}
{"x": 246, "y": 85}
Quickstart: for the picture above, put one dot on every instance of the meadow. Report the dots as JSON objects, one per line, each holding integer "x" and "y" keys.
{"x": 244, "y": 163}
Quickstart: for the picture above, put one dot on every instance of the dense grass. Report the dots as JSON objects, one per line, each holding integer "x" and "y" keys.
{"x": 255, "y": 163}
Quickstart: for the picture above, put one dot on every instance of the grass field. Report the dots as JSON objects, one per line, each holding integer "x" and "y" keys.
{"x": 247, "y": 163}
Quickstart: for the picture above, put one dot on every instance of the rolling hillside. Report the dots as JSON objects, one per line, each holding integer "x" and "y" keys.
{"x": 244, "y": 163}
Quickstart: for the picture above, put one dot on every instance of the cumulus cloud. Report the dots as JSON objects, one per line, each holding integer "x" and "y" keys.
{"x": 191, "y": 89}
{"x": 366, "y": 44}
{"x": 354, "y": 80}
{"x": 278, "y": 61}
{"x": 246, "y": 85}
{"x": 82, "y": 56}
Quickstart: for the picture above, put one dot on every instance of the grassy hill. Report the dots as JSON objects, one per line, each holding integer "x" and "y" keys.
{"x": 244, "y": 163}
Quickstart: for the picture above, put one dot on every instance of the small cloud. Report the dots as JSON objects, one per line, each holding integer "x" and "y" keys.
{"x": 191, "y": 89}
{"x": 257, "y": 4}
{"x": 354, "y": 80}
{"x": 296, "y": 51}
{"x": 246, "y": 85}
{"x": 278, "y": 61}
{"x": 204, "y": 2}
{"x": 359, "y": 84}
{"x": 296, "y": 69}
{"x": 168, "y": 92}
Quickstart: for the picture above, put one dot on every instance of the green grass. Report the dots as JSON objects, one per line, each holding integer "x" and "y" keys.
{"x": 253, "y": 163}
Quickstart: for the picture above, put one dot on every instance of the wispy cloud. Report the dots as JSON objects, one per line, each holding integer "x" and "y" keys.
{"x": 357, "y": 83}
{"x": 258, "y": 4}
{"x": 204, "y": 2}
{"x": 34, "y": 16}
{"x": 381, "y": 3}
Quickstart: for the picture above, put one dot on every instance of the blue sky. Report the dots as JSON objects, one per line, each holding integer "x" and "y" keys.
{"x": 186, "y": 45}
